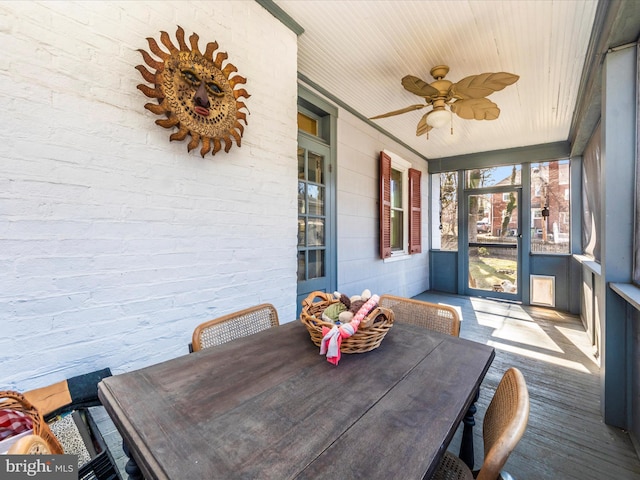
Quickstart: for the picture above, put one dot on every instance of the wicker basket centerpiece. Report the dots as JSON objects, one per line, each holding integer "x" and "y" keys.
{"x": 14, "y": 401}
{"x": 370, "y": 332}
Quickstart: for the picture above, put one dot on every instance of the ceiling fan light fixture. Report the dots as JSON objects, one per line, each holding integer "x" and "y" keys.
{"x": 438, "y": 118}
{"x": 466, "y": 98}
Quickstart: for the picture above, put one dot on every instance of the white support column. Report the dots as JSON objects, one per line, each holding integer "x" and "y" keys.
{"x": 617, "y": 207}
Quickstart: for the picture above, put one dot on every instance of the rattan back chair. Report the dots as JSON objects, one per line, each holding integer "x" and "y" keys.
{"x": 441, "y": 318}
{"x": 234, "y": 325}
{"x": 502, "y": 428}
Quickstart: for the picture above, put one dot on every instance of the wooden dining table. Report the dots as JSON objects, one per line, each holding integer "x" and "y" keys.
{"x": 269, "y": 406}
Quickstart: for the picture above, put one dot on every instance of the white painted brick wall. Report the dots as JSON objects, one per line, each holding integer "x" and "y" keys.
{"x": 114, "y": 242}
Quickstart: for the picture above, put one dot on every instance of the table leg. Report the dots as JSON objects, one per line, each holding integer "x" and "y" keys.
{"x": 466, "y": 445}
{"x": 131, "y": 467}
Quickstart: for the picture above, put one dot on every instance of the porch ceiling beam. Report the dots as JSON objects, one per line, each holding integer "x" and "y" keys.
{"x": 510, "y": 156}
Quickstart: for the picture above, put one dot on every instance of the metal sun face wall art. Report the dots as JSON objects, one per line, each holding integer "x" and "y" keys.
{"x": 198, "y": 96}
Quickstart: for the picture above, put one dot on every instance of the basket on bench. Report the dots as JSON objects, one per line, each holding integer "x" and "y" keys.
{"x": 371, "y": 331}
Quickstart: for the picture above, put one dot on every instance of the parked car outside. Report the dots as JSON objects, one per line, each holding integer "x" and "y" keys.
{"x": 483, "y": 226}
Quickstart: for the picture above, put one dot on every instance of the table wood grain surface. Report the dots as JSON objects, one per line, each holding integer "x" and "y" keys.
{"x": 268, "y": 406}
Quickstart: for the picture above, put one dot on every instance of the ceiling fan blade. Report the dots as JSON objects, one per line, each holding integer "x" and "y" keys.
{"x": 476, "y": 109}
{"x": 422, "y": 126}
{"x": 479, "y": 86}
{"x": 398, "y": 112}
{"x": 418, "y": 87}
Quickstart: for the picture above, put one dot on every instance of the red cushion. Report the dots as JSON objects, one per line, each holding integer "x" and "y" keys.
{"x": 13, "y": 422}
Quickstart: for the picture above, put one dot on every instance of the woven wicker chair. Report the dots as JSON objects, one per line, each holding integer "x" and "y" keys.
{"x": 234, "y": 325}
{"x": 503, "y": 426}
{"x": 441, "y": 318}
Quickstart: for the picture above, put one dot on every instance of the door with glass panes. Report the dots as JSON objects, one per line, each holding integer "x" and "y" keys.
{"x": 494, "y": 243}
{"x": 315, "y": 204}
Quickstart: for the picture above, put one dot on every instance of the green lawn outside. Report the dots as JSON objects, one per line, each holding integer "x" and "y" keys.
{"x": 490, "y": 271}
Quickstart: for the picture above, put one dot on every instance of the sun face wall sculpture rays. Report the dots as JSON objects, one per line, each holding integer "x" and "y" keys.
{"x": 197, "y": 95}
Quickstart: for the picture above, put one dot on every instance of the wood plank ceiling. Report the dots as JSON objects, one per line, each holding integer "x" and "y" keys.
{"x": 358, "y": 51}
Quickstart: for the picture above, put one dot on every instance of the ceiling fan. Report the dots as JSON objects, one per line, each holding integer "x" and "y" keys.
{"x": 465, "y": 98}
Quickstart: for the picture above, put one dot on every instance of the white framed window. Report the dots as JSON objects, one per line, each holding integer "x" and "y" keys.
{"x": 564, "y": 220}
{"x": 537, "y": 190}
{"x": 563, "y": 174}
{"x": 399, "y": 205}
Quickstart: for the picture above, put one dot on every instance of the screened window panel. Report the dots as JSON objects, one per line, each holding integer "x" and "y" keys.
{"x": 591, "y": 216}
{"x": 549, "y": 195}
{"x": 448, "y": 224}
{"x": 493, "y": 176}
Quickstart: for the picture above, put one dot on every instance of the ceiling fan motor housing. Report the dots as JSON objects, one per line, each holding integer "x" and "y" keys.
{"x": 443, "y": 87}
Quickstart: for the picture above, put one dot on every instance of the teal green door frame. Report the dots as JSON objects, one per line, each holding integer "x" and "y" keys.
{"x": 465, "y": 248}
{"x": 324, "y": 144}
